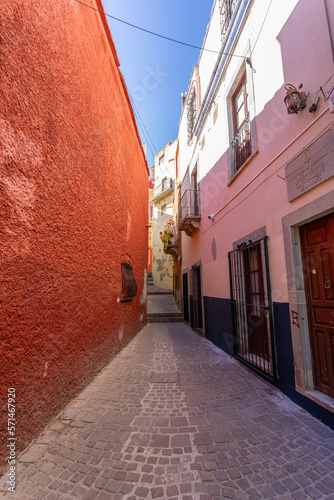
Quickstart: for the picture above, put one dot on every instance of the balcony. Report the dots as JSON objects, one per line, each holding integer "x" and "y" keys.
{"x": 227, "y": 9}
{"x": 189, "y": 211}
{"x": 241, "y": 144}
{"x": 165, "y": 188}
{"x": 172, "y": 245}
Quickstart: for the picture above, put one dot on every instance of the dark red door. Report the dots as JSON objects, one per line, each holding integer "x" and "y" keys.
{"x": 317, "y": 240}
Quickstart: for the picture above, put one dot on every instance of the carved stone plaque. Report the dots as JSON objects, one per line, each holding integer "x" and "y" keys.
{"x": 314, "y": 165}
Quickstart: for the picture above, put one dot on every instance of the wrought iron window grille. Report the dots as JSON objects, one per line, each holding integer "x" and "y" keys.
{"x": 129, "y": 285}
{"x": 241, "y": 144}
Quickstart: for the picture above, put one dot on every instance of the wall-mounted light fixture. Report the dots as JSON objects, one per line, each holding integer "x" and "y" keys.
{"x": 294, "y": 100}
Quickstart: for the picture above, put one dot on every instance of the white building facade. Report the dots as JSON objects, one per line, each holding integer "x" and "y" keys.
{"x": 162, "y": 199}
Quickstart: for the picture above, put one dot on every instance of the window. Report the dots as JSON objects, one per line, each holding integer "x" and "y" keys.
{"x": 163, "y": 209}
{"x": 164, "y": 184}
{"x": 129, "y": 285}
{"x": 241, "y": 142}
{"x": 161, "y": 159}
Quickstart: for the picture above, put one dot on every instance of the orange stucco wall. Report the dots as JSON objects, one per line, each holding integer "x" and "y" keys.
{"x": 74, "y": 196}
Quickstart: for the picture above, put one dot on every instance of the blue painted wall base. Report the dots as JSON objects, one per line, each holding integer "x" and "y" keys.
{"x": 218, "y": 329}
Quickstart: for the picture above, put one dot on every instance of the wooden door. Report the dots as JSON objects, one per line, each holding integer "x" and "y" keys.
{"x": 198, "y": 320}
{"x": 317, "y": 240}
{"x": 255, "y": 302}
{"x": 185, "y": 297}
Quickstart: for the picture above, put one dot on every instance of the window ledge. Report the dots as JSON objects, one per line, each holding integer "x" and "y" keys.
{"x": 243, "y": 167}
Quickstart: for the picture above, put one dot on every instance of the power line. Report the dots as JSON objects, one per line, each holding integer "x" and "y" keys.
{"x": 264, "y": 20}
{"x": 146, "y": 133}
{"x": 322, "y": 86}
{"x": 158, "y": 34}
{"x": 142, "y": 126}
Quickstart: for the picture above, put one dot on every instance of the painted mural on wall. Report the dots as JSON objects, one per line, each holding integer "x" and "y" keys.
{"x": 163, "y": 264}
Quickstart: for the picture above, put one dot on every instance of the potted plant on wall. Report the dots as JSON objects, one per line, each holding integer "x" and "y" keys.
{"x": 167, "y": 237}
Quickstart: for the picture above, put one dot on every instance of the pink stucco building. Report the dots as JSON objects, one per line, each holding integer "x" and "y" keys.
{"x": 256, "y": 189}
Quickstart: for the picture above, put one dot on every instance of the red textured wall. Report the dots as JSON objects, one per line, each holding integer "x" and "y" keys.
{"x": 74, "y": 196}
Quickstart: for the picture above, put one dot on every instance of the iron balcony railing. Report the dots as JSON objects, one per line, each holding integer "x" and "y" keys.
{"x": 190, "y": 204}
{"x": 163, "y": 189}
{"x": 241, "y": 144}
{"x": 227, "y": 9}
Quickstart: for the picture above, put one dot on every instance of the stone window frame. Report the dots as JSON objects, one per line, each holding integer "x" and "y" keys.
{"x": 243, "y": 70}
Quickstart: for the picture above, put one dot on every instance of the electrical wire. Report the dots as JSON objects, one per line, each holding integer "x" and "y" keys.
{"x": 146, "y": 133}
{"x": 317, "y": 92}
{"x": 264, "y": 20}
{"x": 142, "y": 126}
{"x": 144, "y": 129}
{"x": 328, "y": 80}
{"x": 158, "y": 34}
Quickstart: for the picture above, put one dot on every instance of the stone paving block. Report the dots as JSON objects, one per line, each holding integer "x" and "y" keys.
{"x": 78, "y": 492}
{"x": 227, "y": 492}
{"x": 221, "y": 475}
{"x": 206, "y": 476}
{"x": 157, "y": 492}
{"x": 180, "y": 440}
{"x": 227, "y": 437}
{"x": 159, "y": 441}
{"x": 202, "y": 438}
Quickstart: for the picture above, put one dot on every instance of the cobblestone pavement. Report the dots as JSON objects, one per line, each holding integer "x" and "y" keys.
{"x": 173, "y": 417}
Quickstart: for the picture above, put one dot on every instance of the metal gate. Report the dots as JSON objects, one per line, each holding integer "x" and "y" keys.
{"x": 195, "y": 299}
{"x": 252, "y": 310}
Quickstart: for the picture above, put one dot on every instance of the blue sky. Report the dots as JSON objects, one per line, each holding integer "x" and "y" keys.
{"x": 157, "y": 71}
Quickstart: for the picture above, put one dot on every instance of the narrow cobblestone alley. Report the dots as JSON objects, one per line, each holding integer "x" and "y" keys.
{"x": 173, "y": 417}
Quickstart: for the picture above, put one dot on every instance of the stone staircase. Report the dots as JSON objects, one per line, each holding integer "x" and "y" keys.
{"x": 161, "y": 307}
{"x": 165, "y": 317}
